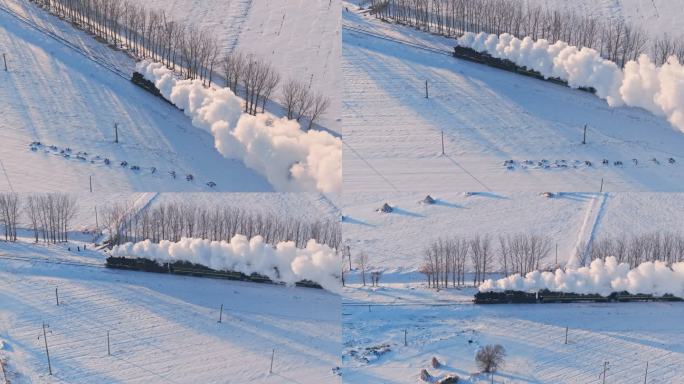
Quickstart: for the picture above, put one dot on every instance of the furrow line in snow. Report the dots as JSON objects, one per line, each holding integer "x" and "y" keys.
{"x": 395, "y": 40}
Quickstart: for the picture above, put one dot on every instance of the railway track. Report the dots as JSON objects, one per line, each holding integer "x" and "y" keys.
{"x": 423, "y": 47}
{"x": 51, "y": 261}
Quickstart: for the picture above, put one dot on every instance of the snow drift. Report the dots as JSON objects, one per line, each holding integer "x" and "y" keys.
{"x": 292, "y": 160}
{"x": 283, "y": 263}
{"x": 659, "y": 90}
{"x": 600, "y": 277}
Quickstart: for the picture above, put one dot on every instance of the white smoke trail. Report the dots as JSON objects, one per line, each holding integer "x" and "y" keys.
{"x": 659, "y": 90}
{"x": 316, "y": 262}
{"x": 600, "y": 277}
{"x": 291, "y": 160}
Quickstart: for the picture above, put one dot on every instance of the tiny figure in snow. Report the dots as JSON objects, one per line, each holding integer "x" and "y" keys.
{"x": 189, "y": 177}
{"x": 587, "y": 163}
{"x": 655, "y": 161}
{"x": 211, "y": 184}
{"x": 135, "y": 168}
{"x": 617, "y": 163}
{"x": 124, "y": 164}
{"x": 153, "y": 170}
{"x": 106, "y": 161}
{"x": 671, "y": 160}
{"x": 635, "y": 161}
{"x": 173, "y": 174}
{"x": 605, "y": 162}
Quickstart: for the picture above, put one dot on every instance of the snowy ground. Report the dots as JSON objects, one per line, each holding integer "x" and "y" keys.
{"x": 393, "y": 133}
{"x": 657, "y": 17}
{"x": 300, "y": 38}
{"x": 395, "y": 242}
{"x": 66, "y": 91}
{"x": 162, "y": 328}
{"x": 444, "y": 325}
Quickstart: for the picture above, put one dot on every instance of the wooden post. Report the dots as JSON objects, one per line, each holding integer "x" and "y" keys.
{"x": 5, "y": 60}
{"x": 47, "y": 351}
{"x": 584, "y": 139}
{"x": 605, "y": 369}
{"x": 426, "y": 89}
{"x": 56, "y": 296}
{"x": 221, "y": 314}
{"x": 97, "y": 224}
{"x": 405, "y": 343}
{"x": 646, "y": 375}
{"x": 90, "y": 181}
{"x": 270, "y": 370}
{"x": 109, "y": 352}
{"x": 557, "y": 258}
{"x": 566, "y": 335}
{"x": 116, "y": 132}
{"x": 601, "y": 190}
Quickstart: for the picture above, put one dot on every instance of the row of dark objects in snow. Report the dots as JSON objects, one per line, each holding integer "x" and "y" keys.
{"x": 546, "y": 296}
{"x": 68, "y": 153}
{"x": 191, "y": 269}
{"x": 546, "y": 164}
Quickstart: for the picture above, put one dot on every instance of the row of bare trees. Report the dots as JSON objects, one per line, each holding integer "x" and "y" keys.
{"x": 47, "y": 215}
{"x": 617, "y": 41}
{"x": 172, "y": 221}
{"x": 636, "y": 249}
{"x": 448, "y": 260}
{"x": 191, "y": 51}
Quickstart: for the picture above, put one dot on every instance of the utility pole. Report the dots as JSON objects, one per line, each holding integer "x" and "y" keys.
{"x": 116, "y": 132}
{"x": 5, "y": 60}
{"x": 566, "y": 335}
{"x": 270, "y": 370}
{"x": 90, "y": 181}
{"x": 443, "y": 143}
{"x": 601, "y": 190}
{"x": 605, "y": 369}
{"x": 56, "y": 296}
{"x": 97, "y": 225}
{"x": 109, "y": 352}
{"x": 405, "y": 342}
{"x": 47, "y": 351}
{"x": 584, "y": 139}
{"x": 349, "y": 257}
{"x": 557, "y": 258}
{"x": 221, "y": 314}
{"x": 646, "y": 375}
{"x": 426, "y": 90}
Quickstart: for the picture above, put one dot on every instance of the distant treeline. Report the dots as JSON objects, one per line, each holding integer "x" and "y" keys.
{"x": 48, "y": 215}
{"x": 634, "y": 250}
{"x": 617, "y": 41}
{"x": 191, "y": 51}
{"x": 172, "y": 221}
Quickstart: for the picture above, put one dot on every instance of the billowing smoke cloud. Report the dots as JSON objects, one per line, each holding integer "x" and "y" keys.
{"x": 315, "y": 262}
{"x": 659, "y": 90}
{"x": 600, "y": 277}
{"x": 292, "y": 160}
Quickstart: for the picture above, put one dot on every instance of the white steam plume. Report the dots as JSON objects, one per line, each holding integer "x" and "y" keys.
{"x": 641, "y": 83}
{"x": 291, "y": 160}
{"x": 316, "y": 262}
{"x": 600, "y": 277}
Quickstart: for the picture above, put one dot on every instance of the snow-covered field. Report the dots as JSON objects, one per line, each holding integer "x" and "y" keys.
{"x": 657, "y": 17}
{"x": 163, "y": 329}
{"x": 300, "y": 38}
{"x": 67, "y": 91}
{"x": 393, "y": 133}
{"x": 444, "y": 325}
{"x": 395, "y": 241}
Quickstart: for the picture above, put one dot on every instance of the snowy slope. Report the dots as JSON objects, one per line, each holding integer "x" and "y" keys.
{"x": 300, "y": 38}
{"x": 53, "y": 95}
{"x": 626, "y": 335}
{"x": 393, "y": 133}
{"x": 656, "y": 17}
{"x": 163, "y": 329}
{"x": 395, "y": 242}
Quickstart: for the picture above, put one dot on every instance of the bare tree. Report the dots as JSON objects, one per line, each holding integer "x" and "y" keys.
{"x": 490, "y": 358}
{"x": 319, "y": 105}
{"x": 361, "y": 261}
